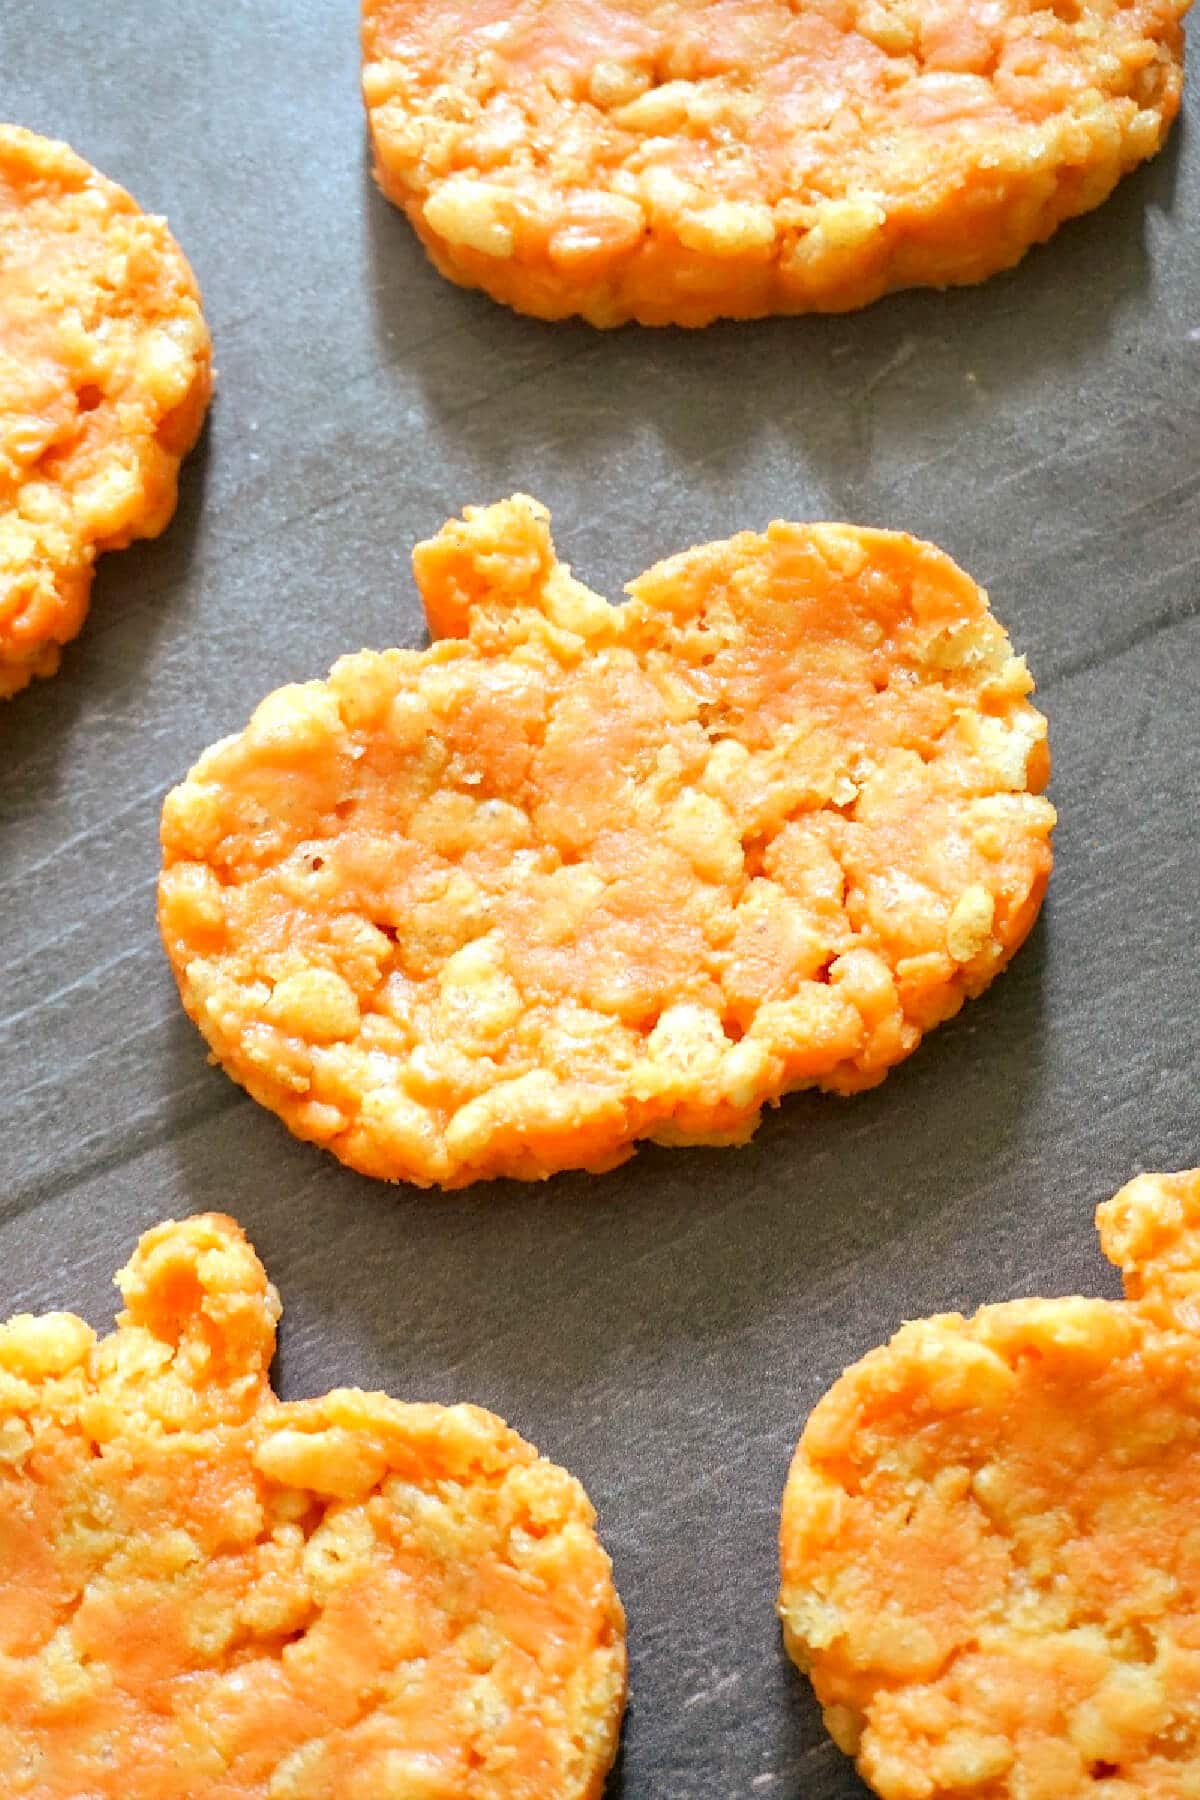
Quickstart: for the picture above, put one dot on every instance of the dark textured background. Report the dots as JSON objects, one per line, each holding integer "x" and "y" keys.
{"x": 662, "y": 1331}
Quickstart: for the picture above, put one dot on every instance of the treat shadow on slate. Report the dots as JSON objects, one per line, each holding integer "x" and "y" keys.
{"x": 676, "y": 1247}
{"x": 813, "y": 380}
{"x": 137, "y": 597}
{"x": 816, "y": 1769}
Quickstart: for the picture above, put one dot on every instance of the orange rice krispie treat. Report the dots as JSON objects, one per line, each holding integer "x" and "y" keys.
{"x": 991, "y": 1565}
{"x": 206, "y": 1592}
{"x": 104, "y": 382}
{"x": 582, "y": 874}
{"x": 676, "y": 162}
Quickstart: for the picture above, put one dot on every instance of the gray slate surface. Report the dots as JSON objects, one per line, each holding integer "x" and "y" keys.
{"x": 665, "y": 1330}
